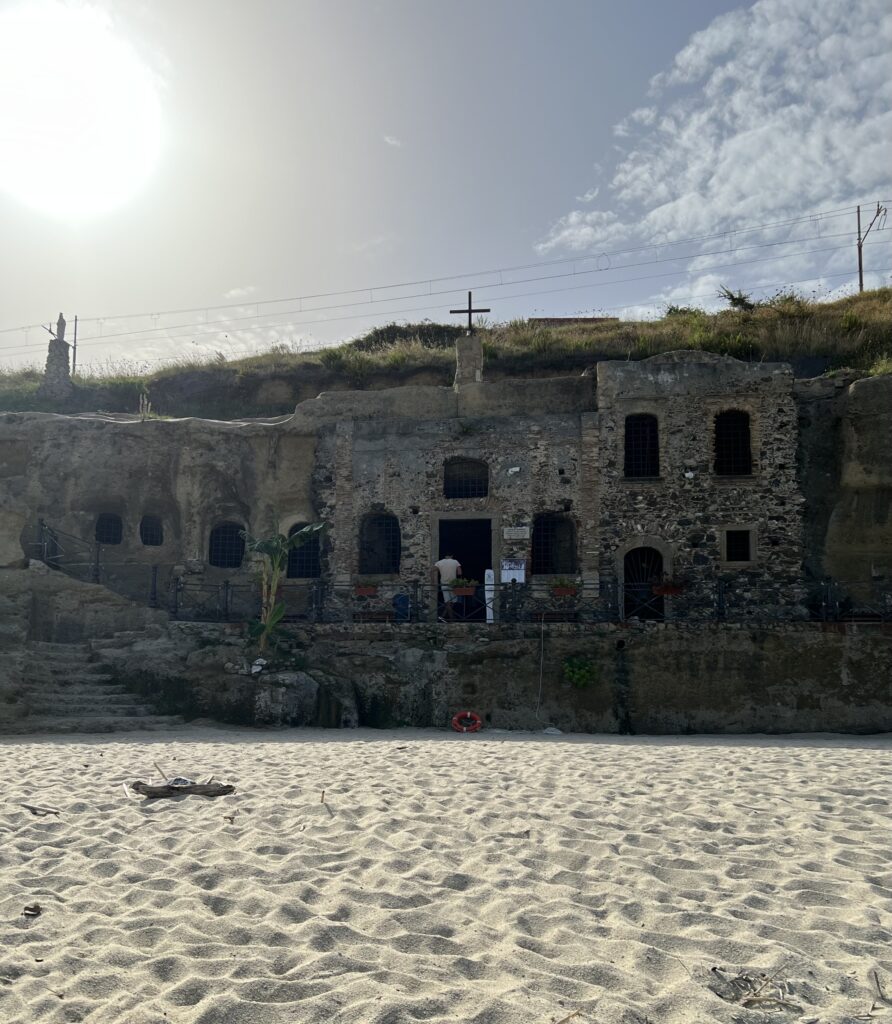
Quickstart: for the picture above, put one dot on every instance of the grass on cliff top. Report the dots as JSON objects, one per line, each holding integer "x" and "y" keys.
{"x": 855, "y": 332}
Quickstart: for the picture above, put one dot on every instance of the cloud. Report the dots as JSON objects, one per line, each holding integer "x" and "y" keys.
{"x": 770, "y": 112}
{"x": 392, "y": 140}
{"x": 240, "y": 293}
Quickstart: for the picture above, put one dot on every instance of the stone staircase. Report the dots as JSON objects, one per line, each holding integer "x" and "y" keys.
{"x": 68, "y": 689}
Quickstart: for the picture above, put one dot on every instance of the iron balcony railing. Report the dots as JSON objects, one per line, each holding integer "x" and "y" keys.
{"x": 736, "y": 598}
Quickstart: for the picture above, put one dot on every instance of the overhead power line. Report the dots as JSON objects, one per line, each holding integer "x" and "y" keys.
{"x": 676, "y": 299}
{"x": 371, "y": 289}
{"x": 210, "y": 334}
{"x": 208, "y": 328}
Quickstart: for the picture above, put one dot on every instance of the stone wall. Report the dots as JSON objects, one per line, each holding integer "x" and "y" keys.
{"x": 685, "y": 511}
{"x": 553, "y": 445}
{"x": 665, "y": 678}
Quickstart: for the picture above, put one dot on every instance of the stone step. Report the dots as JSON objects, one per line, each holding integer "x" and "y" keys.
{"x": 116, "y": 642}
{"x": 36, "y": 676}
{"x": 51, "y": 647}
{"x": 79, "y": 699}
{"x": 89, "y": 723}
{"x": 93, "y": 690}
{"x": 87, "y": 709}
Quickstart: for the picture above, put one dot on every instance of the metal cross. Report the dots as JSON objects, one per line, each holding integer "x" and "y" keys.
{"x": 469, "y": 311}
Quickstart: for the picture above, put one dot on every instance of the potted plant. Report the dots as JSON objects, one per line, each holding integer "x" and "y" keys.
{"x": 562, "y": 587}
{"x": 365, "y": 588}
{"x": 463, "y": 588}
{"x": 668, "y": 586}
{"x": 272, "y": 554}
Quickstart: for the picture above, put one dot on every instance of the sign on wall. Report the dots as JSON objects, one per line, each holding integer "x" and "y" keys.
{"x": 513, "y": 570}
{"x": 516, "y": 533}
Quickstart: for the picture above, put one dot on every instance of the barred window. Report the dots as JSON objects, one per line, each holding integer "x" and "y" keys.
{"x": 304, "y": 562}
{"x": 379, "y": 544}
{"x": 642, "y": 446}
{"x": 738, "y": 546}
{"x": 733, "y": 456}
{"x": 226, "y": 547}
{"x": 465, "y": 478}
{"x": 642, "y": 568}
{"x": 109, "y": 528}
{"x": 554, "y": 544}
{"x": 151, "y": 531}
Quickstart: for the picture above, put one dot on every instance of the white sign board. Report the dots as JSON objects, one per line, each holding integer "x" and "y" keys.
{"x": 513, "y": 570}
{"x": 516, "y": 533}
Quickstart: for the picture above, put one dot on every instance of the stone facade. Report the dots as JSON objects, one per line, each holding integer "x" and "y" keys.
{"x": 552, "y": 449}
{"x": 686, "y": 510}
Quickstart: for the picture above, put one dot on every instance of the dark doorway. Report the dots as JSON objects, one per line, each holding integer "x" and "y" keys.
{"x": 642, "y": 570}
{"x": 469, "y": 541}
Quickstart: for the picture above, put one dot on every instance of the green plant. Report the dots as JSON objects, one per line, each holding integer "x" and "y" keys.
{"x": 273, "y": 556}
{"x": 737, "y": 300}
{"x": 460, "y": 582}
{"x": 564, "y": 581}
{"x": 580, "y": 671}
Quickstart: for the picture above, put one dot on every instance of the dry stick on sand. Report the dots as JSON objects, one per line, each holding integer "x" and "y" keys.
{"x": 40, "y": 812}
{"x": 569, "y": 1016}
{"x": 196, "y": 788}
{"x": 161, "y": 771}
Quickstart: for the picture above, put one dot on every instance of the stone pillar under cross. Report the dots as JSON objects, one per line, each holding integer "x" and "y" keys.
{"x": 468, "y": 360}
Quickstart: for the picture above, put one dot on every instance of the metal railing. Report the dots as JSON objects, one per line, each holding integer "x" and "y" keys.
{"x": 736, "y": 599}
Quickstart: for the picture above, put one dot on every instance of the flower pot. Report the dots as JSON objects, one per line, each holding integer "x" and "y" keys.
{"x": 564, "y": 591}
{"x": 464, "y": 591}
{"x": 666, "y": 590}
{"x": 365, "y": 591}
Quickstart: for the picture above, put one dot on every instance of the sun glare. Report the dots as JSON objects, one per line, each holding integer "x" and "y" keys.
{"x": 80, "y": 121}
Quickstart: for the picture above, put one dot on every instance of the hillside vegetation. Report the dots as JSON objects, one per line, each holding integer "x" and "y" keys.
{"x": 815, "y": 337}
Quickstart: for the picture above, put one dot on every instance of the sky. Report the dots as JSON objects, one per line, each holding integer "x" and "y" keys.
{"x": 200, "y": 176}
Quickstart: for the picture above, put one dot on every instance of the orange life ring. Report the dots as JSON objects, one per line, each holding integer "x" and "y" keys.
{"x": 467, "y": 721}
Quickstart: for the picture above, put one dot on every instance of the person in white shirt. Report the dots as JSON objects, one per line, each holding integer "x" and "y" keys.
{"x": 449, "y": 569}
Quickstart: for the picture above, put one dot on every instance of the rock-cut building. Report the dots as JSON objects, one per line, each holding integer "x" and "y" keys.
{"x": 686, "y": 490}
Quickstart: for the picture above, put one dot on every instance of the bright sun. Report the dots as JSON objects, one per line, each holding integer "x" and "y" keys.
{"x": 80, "y": 122}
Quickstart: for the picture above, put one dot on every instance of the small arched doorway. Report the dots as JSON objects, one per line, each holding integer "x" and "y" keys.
{"x": 642, "y": 569}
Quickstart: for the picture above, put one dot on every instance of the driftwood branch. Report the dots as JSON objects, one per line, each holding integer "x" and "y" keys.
{"x": 196, "y": 788}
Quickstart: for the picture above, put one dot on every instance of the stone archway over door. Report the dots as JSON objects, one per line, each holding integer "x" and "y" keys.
{"x": 642, "y": 568}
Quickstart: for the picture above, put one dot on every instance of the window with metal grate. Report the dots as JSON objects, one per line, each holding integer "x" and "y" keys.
{"x": 733, "y": 454}
{"x": 465, "y": 478}
{"x": 379, "y": 544}
{"x": 642, "y": 446}
{"x": 738, "y": 546}
{"x": 151, "y": 531}
{"x": 109, "y": 528}
{"x": 226, "y": 546}
{"x": 554, "y": 545}
{"x": 305, "y": 562}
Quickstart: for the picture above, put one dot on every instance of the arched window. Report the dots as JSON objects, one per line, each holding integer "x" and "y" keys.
{"x": 379, "y": 544}
{"x": 554, "y": 544}
{"x": 109, "y": 528}
{"x": 465, "y": 478}
{"x": 642, "y": 570}
{"x": 151, "y": 531}
{"x": 304, "y": 563}
{"x": 226, "y": 547}
{"x": 733, "y": 455}
{"x": 642, "y": 446}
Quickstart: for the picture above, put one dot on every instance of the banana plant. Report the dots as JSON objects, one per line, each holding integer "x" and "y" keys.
{"x": 273, "y": 555}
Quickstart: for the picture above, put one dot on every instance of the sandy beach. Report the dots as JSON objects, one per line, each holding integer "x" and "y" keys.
{"x": 499, "y": 879}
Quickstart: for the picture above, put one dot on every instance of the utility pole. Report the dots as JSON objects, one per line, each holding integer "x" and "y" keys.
{"x": 74, "y": 349}
{"x": 880, "y": 213}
